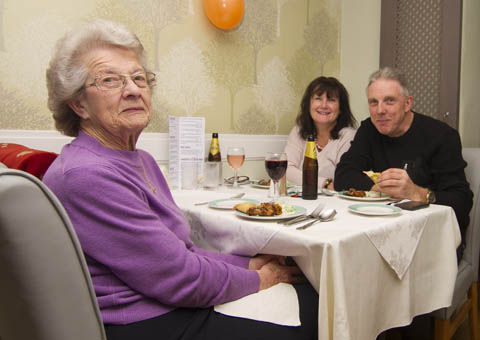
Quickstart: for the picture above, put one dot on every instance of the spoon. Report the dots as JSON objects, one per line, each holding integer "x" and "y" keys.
{"x": 314, "y": 214}
{"x": 325, "y": 216}
{"x": 236, "y": 196}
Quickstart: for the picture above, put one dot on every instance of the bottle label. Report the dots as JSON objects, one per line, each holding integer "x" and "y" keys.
{"x": 310, "y": 151}
{"x": 214, "y": 149}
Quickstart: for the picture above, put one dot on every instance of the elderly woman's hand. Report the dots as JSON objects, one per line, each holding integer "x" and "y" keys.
{"x": 274, "y": 272}
{"x": 259, "y": 261}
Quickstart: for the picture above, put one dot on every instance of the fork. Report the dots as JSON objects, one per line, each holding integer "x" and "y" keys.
{"x": 330, "y": 215}
{"x": 314, "y": 214}
{"x": 236, "y": 196}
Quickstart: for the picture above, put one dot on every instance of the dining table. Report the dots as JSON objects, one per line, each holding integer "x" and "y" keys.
{"x": 374, "y": 267}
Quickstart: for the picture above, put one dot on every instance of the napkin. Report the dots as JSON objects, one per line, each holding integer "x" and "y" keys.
{"x": 277, "y": 304}
{"x": 397, "y": 242}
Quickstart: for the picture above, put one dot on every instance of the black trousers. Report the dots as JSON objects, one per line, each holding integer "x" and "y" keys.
{"x": 194, "y": 323}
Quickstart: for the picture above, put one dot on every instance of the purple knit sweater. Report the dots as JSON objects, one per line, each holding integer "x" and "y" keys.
{"x": 136, "y": 242}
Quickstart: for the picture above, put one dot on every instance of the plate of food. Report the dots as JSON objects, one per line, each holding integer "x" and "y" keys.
{"x": 229, "y": 203}
{"x": 261, "y": 183}
{"x": 373, "y": 209}
{"x": 268, "y": 211}
{"x": 265, "y": 184}
{"x": 362, "y": 195}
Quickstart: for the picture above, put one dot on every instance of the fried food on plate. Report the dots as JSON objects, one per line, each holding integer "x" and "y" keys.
{"x": 362, "y": 193}
{"x": 356, "y": 193}
{"x": 244, "y": 206}
{"x": 373, "y": 175}
{"x": 264, "y": 182}
{"x": 264, "y": 209}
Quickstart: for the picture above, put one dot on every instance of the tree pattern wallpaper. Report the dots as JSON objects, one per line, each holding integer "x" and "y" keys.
{"x": 248, "y": 80}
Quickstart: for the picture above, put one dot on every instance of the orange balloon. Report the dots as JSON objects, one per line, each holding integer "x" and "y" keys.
{"x": 224, "y": 14}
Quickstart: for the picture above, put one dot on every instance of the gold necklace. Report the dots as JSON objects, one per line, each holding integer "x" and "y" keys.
{"x": 144, "y": 174}
{"x": 319, "y": 147}
{"x": 149, "y": 184}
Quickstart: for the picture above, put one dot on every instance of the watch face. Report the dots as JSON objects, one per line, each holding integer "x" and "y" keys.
{"x": 431, "y": 197}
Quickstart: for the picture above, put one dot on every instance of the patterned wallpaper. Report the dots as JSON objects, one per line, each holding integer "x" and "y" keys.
{"x": 248, "y": 80}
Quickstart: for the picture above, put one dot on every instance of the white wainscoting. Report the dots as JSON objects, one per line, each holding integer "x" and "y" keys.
{"x": 256, "y": 146}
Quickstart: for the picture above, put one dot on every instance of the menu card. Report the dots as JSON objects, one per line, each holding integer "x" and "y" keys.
{"x": 186, "y": 147}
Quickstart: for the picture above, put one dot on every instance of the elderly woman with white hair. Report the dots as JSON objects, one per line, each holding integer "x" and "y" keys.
{"x": 151, "y": 282}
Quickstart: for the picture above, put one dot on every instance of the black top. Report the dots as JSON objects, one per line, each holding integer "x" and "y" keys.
{"x": 432, "y": 150}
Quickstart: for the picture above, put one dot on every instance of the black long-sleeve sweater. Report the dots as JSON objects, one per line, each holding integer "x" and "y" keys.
{"x": 431, "y": 148}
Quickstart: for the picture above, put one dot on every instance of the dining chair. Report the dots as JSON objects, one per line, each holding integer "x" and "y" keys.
{"x": 465, "y": 295}
{"x": 46, "y": 291}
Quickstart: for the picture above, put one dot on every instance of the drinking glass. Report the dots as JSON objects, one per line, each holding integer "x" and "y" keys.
{"x": 235, "y": 158}
{"x": 276, "y": 166}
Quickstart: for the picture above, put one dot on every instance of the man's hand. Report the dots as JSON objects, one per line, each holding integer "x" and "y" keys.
{"x": 398, "y": 184}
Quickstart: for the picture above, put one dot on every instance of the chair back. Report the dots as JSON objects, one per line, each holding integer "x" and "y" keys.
{"x": 472, "y": 236}
{"x": 45, "y": 288}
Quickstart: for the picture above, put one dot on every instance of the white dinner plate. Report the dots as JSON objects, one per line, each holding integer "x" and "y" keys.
{"x": 254, "y": 183}
{"x": 298, "y": 210}
{"x": 373, "y": 209}
{"x": 228, "y": 203}
{"x": 383, "y": 197}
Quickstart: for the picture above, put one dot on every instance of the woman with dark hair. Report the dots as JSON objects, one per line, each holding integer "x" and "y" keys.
{"x": 324, "y": 113}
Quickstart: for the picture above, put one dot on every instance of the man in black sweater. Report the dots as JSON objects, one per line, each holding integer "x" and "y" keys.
{"x": 419, "y": 157}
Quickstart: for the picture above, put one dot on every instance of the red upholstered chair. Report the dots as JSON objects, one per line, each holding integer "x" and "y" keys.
{"x": 35, "y": 162}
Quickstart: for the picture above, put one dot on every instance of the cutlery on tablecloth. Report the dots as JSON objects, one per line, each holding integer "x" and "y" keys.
{"x": 326, "y": 216}
{"x": 240, "y": 195}
{"x": 314, "y": 214}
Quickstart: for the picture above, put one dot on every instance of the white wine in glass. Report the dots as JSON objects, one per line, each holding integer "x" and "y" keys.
{"x": 235, "y": 158}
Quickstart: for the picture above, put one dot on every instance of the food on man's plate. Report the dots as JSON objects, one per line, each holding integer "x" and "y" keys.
{"x": 373, "y": 175}
{"x": 356, "y": 193}
{"x": 264, "y": 209}
{"x": 373, "y": 194}
{"x": 264, "y": 182}
{"x": 362, "y": 193}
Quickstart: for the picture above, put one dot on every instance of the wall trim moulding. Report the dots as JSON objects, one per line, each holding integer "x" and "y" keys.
{"x": 256, "y": 146}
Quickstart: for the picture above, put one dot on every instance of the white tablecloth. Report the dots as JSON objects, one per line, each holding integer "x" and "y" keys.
{"x": 371, "y": 272}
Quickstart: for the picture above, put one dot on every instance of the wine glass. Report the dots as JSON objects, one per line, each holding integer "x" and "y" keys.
{"x": 276, "y": 166}
{"x": 235, "y": 158}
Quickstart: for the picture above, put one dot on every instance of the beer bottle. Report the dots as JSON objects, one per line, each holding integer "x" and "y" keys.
{"x": 214, "y": 152}
{"x": 310, "y": 171}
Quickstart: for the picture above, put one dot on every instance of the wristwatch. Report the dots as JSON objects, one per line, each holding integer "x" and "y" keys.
{"x": 431, "y": 198}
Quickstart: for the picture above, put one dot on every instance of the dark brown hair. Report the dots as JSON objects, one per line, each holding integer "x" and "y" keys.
{"x": 333, "y": 88}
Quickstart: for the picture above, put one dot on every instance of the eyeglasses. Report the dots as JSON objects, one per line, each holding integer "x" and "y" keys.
{"x": 109, "y": 82}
